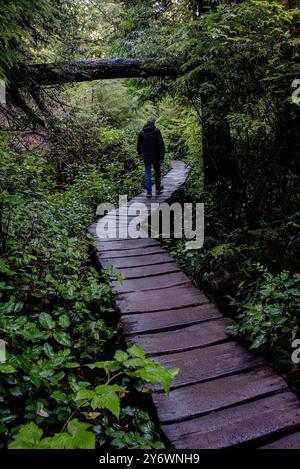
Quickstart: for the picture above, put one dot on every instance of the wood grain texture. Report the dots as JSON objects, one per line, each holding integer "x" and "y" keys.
{"x": 204, "y": 364}
{"x": 151, "y": 283}
{"x": 169, "y": 319}
{"x": 198, "y": 335}
{"x": 148, "y": 270}
{"x": 237, "y": 425}
{"x": 210, "y": 396}
{"x": 161, "y": 299}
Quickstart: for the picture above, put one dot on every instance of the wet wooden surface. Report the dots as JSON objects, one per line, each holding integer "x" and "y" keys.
{"x": 224, "y": 395}
{"x": 245, "y": 424}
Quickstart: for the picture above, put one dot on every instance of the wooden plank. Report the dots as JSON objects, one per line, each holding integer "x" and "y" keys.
{"x": 141, "y": 199}
{"x": 150, "y": 283}
{"x": 123, "y": 239}
{"x": 132, "y": 252}
{"x": 198, "y": 335}
{"x": 120, "y": 245}
{"x": 169, "y": 319}
{"x": 118, "y": 221}
{"x": 121, "y": 223}
{"x": 123, "y": 231}
{"x": 165, "y": 194}
{"x": 119, "y": 237}
{"x": 136, "y": 261}
{"x": 120, "y": 215}
{"x": 203, "y": 364}
{"x": 148, "y": 270}
{"x": 158, "y": 300}
{"x": 287, "y": 442}
{"x": 129, "y": 216}
{"x": 237, "y": 425}
{"x": 196, "y": 399}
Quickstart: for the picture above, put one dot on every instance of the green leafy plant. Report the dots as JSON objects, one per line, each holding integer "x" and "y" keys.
{"x": 132, "y": 363}
{"x": 271, "y": 320}
{"x": 55, "y": 306}
{"x": 76, "y": 437}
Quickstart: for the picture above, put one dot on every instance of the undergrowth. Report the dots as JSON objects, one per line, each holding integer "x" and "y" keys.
{"x": 56, "y": 315}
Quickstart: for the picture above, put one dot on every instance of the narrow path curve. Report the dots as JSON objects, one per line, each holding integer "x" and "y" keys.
{"x": 224, "y": 396}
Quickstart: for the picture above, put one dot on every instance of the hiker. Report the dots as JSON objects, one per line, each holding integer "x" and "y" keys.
{"x": 151, "y": 148}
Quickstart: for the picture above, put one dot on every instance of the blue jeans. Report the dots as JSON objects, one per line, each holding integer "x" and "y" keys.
{"x": 148, "y": 181}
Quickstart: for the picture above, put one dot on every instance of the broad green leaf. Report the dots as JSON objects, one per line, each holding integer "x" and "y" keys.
{"x": 57, "y": 441}
{"x": 48, "y": 349}
{"x": 120, "y": 356}
{"x": 135, "y": 362}
{"x": 64, "y": 321}
{"x": 59, "y": 396}
{"x": 106, "y": 397}
{"x": 136, "y": 351}
{"x": 108, "y": 366}
{"x": 6, "y": 368}
{"x": 62, "y": 338}
{"x": 77, "y": 437}
{"x": 75, "y": 426}
{"x": 84, "y": 394}
{"x": 155, "y": 374}
{"x": 4, "y": 268}
{"x": 71, "y": 364}
{"x": 46, "y": 321}
{"x": 28, "y": 437}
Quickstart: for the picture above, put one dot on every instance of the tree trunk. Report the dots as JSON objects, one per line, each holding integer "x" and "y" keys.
{"x": 287, "y": 142}
{"x": 88, "y": 70}
{"x": 217, "y": 149}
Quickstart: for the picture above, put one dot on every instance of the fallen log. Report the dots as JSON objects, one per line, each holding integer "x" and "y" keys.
{"x": 88, "y": 70}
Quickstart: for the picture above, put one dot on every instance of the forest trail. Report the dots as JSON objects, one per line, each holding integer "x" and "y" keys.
{"x": 224, "y": 396}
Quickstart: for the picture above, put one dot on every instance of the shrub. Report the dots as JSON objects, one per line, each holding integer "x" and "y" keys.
{"x": 56, "y": 313}
{"x": 271, "y": 320}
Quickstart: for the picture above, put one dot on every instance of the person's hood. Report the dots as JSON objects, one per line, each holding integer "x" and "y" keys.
{"x": 149, "y": 127}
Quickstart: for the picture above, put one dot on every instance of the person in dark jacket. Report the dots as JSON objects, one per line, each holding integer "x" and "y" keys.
{"x": 151, "y": 148}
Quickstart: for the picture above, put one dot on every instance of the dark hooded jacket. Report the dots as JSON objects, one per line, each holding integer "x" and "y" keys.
{"x": 150, "y": 144}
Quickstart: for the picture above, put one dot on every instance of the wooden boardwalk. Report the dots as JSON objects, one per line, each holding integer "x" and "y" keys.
{"x": 224, "y": 396}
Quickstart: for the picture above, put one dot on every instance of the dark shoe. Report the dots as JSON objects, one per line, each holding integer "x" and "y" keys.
{"x": 149, "y": 196}
{"x": 158, "y": 191}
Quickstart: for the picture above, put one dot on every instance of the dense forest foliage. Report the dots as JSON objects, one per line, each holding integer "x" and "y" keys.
{"x": 228, "y": 111}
